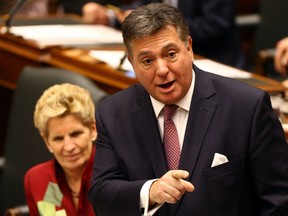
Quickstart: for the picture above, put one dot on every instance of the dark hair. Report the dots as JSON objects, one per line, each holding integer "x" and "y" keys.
{"x": 150, "y": 19}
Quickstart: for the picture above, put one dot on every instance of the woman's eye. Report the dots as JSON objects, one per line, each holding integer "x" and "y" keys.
{"x": 57, "y": 139}
{"x": 76, "y": 133}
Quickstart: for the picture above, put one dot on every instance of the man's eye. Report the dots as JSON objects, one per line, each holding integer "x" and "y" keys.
{"x": 171, "y": 54}
{"x": 146, "y": 61}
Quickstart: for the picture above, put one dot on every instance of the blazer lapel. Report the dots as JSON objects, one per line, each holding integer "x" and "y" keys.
{"x": 202, "y": 110}
{"x": 201, "y": 113}
{"x": 148, "y": 133}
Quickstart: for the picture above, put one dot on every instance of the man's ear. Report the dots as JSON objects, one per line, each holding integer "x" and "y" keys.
{"x": 129, "y": 58}
{"x": 189, "y": 47}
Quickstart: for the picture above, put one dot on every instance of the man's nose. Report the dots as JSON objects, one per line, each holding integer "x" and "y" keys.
{"x": 162, "y": 67}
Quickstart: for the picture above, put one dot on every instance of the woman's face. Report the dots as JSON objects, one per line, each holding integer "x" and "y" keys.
{"x": 70, "y": 141}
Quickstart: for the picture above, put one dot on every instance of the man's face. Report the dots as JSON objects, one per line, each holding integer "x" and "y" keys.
{"x": 163, "y": 65}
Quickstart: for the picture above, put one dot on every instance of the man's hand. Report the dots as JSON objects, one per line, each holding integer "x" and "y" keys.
{"x": 170, "y": 187}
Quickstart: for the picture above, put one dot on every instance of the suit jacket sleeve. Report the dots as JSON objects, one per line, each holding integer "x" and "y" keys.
{"x": 112, "y": 193}
{"x": 268, "y": 158}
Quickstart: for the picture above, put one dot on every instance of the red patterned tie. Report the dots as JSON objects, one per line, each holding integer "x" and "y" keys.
{"x": 170, "y": 138}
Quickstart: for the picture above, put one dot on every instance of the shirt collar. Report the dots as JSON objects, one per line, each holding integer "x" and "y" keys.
{"x": 184, "y": 103}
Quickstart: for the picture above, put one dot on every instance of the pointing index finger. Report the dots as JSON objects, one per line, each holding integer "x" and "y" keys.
{"x": 179, "y": 174}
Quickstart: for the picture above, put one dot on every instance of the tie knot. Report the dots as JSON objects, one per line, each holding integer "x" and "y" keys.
{"x": 169, "y": 111}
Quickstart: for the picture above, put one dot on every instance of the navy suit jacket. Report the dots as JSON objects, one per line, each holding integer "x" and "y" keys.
{"x": 212, "y": 27}
{"x": 226, "y": 117}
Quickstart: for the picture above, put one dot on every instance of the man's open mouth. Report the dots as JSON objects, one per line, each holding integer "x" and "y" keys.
{"x": 167, "y": 85}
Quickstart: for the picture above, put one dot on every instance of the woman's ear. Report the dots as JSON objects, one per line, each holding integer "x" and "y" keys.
{"x": 93, "y": 131}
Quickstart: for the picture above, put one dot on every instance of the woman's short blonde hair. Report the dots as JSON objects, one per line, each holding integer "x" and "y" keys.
{"x": 60, "y": 100}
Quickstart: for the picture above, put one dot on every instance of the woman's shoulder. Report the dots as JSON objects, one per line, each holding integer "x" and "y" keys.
{"x": 41, "y": 169}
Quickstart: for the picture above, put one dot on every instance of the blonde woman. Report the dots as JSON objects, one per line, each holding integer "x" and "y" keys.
{"x": 65, "y": 118}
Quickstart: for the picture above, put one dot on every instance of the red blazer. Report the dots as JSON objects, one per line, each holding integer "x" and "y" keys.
{"x": 38, "y": 178}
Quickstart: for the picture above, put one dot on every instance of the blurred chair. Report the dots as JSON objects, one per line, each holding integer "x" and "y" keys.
{"x": 24, "y": 147}
{"x": 272, "y": 27}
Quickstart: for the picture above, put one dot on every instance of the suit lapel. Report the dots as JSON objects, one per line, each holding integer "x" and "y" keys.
{"x": 202, "y": 110}
{"x": 148, "y": 133}
{"x": 200, "y": 116}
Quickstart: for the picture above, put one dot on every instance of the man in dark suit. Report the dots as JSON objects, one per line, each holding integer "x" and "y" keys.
{"x": 233, "y": 150}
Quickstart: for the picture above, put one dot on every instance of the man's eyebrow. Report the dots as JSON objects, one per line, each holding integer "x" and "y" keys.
{"x": 143, "y": 53}
{"x": 167, "y": 46}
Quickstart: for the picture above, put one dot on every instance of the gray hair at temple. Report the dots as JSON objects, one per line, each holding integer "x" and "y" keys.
{"x": 150, "y": 19}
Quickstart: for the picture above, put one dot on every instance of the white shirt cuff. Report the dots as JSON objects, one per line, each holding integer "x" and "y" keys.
{"x": 144, "y": 199}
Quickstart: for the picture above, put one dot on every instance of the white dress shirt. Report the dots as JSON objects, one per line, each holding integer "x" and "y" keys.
{"x": 180, "y": 119}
